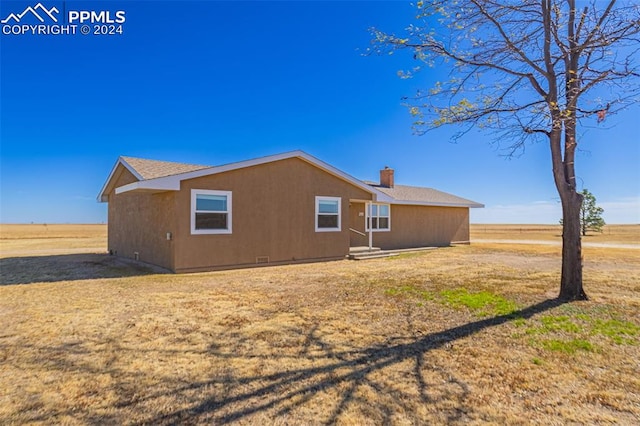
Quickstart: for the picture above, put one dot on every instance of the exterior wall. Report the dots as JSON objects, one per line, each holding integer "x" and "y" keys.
{"x": 139, "y": 222}
{"x": 357, "y": 222}
{"x": 273, "y": 214}
{"x": 416, "y": 226}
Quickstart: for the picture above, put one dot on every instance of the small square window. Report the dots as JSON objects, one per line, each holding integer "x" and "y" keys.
{"x": 328, "y": 214}
{"x": 210, "y": 212}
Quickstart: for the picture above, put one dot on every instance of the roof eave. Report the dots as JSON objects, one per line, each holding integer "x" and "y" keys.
{"x": 378, "y": 195}
{"x": 436, "y": 204}
{"x": 172, "y": 183}
{"x": 151, "y": 185}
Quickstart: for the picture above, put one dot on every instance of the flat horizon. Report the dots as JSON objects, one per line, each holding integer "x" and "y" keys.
{"x": 471, "y": 224}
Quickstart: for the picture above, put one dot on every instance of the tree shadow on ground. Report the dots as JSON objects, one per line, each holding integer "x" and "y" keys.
{"x": 344, "y": 372}
{"x": 326, "y": 383}
{"x": 70, "y": 267}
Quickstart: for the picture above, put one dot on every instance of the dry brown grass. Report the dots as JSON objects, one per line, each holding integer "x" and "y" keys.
{"x": 342, "y": 342}
{"x": 27, "y": 240}
{"x": 44, "y": 231}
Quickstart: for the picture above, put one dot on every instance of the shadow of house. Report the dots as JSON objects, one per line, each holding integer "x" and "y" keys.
{"x": 70, "y": 267}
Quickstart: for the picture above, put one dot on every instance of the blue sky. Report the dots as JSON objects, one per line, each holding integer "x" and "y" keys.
{"x": 211, "y": 82}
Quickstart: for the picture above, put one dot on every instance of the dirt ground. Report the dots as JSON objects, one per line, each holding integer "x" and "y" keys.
{"x": 461, "y": 335}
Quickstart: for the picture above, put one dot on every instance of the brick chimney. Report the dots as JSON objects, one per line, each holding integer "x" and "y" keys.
{"x": 386, "y": 177}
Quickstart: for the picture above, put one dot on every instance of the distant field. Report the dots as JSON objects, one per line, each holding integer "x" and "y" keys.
{"x": 610, "y": 233}
{"x": 44, "y": 231}
{"x": 18, "y": 237}
{"x": 22, "y": 240}
{"x": 461, "y": 335}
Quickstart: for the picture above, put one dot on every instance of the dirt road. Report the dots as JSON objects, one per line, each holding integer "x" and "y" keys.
{"x": 555, "y": 243}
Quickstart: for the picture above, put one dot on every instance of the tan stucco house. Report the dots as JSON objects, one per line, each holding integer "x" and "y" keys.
{"x": 283, "y": 208}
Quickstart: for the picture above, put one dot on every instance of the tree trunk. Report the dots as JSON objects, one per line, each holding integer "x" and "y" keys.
{"x": 571, "y": 280}
{"x": 563, "y": 165}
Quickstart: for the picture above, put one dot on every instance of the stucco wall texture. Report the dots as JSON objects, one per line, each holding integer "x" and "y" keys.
{"x": 414, "y": 226}
{"x": 273, "y": 216}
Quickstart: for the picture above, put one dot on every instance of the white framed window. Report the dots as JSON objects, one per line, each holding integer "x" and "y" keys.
{"x": 328, "y": 214}
{"x": 210, "y": 211}
{"x": 378, "y": 217}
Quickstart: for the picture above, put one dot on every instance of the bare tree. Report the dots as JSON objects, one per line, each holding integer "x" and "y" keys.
{"x": 526, "y": 69}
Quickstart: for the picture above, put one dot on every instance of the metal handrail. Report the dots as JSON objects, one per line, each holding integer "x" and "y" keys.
{"x": 357, "y": 232}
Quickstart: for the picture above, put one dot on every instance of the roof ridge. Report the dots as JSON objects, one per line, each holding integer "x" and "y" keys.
{"x": 423, "y": 194}
{"x": 377, "y": 185}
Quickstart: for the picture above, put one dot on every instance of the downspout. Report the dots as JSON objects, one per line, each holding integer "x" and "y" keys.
{"x": 367, "y": 223}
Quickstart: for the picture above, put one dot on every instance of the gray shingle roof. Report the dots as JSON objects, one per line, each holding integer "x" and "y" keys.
{"x": 423, "y": 195}
{"x": 151, "y": 169}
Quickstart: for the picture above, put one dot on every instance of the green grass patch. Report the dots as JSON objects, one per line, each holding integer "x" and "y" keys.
{"x": 555, "y": 323}
{"x": 621, "y": 332}
{"x": 519, "y": 322}
{"x": 483, "y": 302}
{"x": 567, "y": 346}
{"x": 537, "y": 361}
{"x": 571, "y": 332}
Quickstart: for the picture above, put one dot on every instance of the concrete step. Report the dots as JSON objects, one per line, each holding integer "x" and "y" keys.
{"x": 363, "y": 249}
{"x": 367, "y": 256}
{"x": 363, "y": 253}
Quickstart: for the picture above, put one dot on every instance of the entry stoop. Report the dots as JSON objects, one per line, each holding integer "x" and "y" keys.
{"x": 364, "y": 253}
